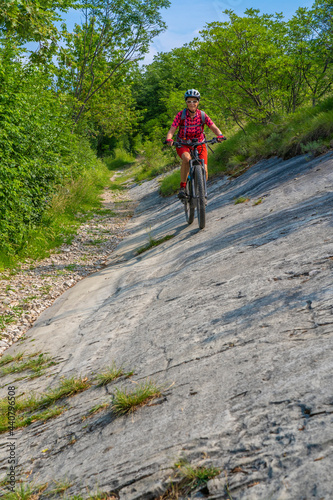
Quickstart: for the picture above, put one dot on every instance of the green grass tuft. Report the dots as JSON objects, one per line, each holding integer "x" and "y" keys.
{"x": 188, "y": 478}
{"x": 36, "y": 362}
{"x": 9, "y": 359}
{"x": 59, "y": 488}
{"x": 170, "y": 184}
{"x": 127, "y": 402}
{"x": 241, "y": 199}
{"x": 196, "y": 476}
{"x": 33, "y": 408}
{"x": 25, "y": 491}
{"x": 97, "y": 408}
{"x": 154, "y": 243}
{"x": 111, "y": 373}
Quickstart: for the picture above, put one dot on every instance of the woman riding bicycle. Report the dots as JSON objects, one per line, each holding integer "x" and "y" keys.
{"x": 191, "y": 124}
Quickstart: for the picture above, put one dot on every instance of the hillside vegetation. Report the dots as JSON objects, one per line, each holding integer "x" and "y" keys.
{"x": 80, "y": 105}
{"x": 307, "y": 131}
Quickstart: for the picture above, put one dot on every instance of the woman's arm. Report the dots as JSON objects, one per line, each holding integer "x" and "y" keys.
{"x": 170, "y": 133}
{"x": 216, "y": 130}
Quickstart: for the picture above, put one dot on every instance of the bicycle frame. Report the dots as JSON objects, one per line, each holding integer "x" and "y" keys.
{"x": 196, "y": 186}
{"x": 195, "y": 160}
{"x": 194, "y": 163}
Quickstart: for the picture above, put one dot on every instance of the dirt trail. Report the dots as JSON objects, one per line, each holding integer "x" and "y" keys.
{"x": 25, "y": 294}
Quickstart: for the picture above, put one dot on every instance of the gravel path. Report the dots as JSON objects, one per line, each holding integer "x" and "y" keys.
{"x": 24, "y": 295}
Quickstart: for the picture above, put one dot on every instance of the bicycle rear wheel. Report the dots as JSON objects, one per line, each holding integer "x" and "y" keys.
{"x": 200, "y": 196}
{"x": 189, "y": 204}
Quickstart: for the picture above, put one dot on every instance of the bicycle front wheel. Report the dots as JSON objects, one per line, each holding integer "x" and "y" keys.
{"x": 188, "y": 204}
{"x": 200, "y": 196}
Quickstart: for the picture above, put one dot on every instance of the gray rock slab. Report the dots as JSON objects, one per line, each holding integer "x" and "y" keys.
{"x": 234, "y": 322}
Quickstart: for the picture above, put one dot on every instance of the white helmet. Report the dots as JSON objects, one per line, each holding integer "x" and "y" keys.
{"x": 192, "y": 93}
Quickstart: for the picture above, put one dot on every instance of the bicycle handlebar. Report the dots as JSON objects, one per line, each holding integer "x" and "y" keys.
{"x": 190, "y": 143}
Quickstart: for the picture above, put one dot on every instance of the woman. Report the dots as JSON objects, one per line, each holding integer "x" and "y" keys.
{"x": 191, "y": 123}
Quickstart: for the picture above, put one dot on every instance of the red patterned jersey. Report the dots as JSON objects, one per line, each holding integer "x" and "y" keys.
{"x": 191, "y": 128}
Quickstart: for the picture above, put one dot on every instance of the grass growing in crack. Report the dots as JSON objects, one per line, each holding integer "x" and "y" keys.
{"x": 68, "y": 387}
{"x": 35, "y": 408}
{"x": 103, "y": 496}
{"x": 111, "y": 373}
{"x": 92, "y": 496}
{"x": 241, "y": 199}
{"x": 59, "y": 488}
{"x": 36, "y": 362}
{"x": 227, "y": 490}
{"x": 24, "y": 421}
{"x": 189, "y": 478}
{"x": 25, "y": 492}
{"x": 195, "y": 475}
{"x": 96, "y": 409}
{"x": 153, "y": 243}
{"x": 8, "y": 358}
{"x": 128, "y": 402}
{"x": 28, "y": 491}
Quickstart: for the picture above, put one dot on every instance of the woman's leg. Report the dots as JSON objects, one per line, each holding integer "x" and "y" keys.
{"x": 185, "y": 167}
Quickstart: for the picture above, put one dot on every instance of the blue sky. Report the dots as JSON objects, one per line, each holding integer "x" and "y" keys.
{"x": 185, "y": 18}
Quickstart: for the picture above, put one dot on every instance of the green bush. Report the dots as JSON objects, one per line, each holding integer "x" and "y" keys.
{"x": 58, "y": 221}
{"x": 47, "y": 172}
{"x": 119, "y": 159}
{"x": 36, "y": 148}
{"x": 154, "y": 158}
{"x": 170, "y": 183}
{"x": 309, "y": 129}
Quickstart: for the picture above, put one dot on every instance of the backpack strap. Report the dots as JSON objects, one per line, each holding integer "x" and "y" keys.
{"x": 183, "y": 118}
{"x": 203, "y": 116}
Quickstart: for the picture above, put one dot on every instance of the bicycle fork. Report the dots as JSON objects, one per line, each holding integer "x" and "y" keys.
{"x": 192, "y": 174}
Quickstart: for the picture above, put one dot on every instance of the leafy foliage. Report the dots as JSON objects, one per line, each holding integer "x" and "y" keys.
{"x": 48, "y": 111}
{"x": 247, "y": 68}
{"x": 35, "y": 146}
{"x": 83, "y": 93}
{"x": 113, "y": 34}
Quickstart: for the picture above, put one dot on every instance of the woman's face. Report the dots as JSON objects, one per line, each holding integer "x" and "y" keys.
{"x": 192, "y": 104}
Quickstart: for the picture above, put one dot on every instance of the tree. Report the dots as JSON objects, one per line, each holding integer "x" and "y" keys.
{"x": 323, "y": 24}
{"x": 33, "y": 21}
{"x": 307, "y": 47}
{"x": 259, "y": 64}
{"x": 159, "y": 87}
{"x": 247, "y": 64}
{"x": 101, "y": 50}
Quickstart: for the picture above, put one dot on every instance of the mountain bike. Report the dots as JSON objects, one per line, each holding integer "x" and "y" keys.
{"x": 196, "y": 189}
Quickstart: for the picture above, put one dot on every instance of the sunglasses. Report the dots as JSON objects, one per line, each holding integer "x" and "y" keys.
{"x": 191, "y": 102}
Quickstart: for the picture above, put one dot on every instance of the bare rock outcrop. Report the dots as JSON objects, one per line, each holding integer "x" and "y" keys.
{"x": 234, "y": 323}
